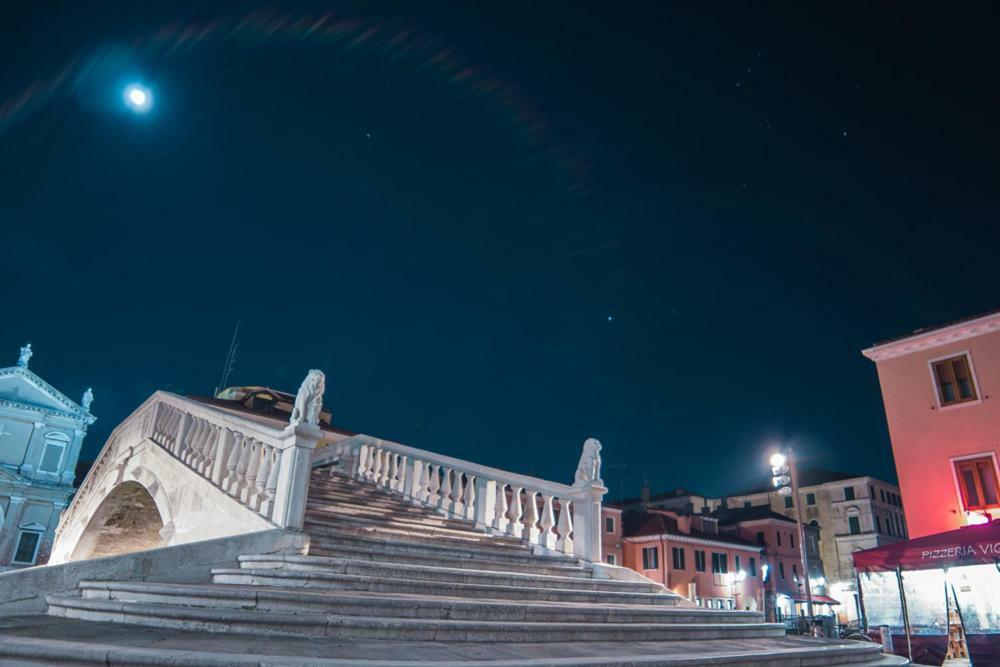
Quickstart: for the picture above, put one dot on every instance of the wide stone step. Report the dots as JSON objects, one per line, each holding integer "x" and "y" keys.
{"x": 423, "y": 535}
{"x": 390, "y": 518}
{"x": 371, "y": 503}
{"x": 511, "y": 551}
{"x": 444, "y": 575}
{"x": 282, "y": 577}
{"x": 407, "y": 629}
{"x": 555, "y": 566}
{"x": 352, "y": 603}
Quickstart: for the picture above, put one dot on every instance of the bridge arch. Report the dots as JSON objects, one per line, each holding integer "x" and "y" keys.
{"x": 127, "y": 520}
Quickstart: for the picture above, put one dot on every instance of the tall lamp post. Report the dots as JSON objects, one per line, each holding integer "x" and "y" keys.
{"x": 786, "y": 481}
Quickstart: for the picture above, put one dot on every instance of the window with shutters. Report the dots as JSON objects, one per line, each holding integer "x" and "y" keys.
{"x": 977, "y": 482}
{"x": 650, "y": 558}
{"x": 954, "y": 380}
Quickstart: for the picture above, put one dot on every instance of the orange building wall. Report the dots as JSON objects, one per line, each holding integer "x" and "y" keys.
{"x": 925, "y": 437}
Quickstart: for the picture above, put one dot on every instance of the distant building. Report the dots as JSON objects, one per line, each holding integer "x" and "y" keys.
{"x": 937, "y": 387}
{"x": 852, "y": 512}
{"x": 611, "y": 534}
{"x": 783, "y": 580}
{"x": 41, "y": 432}
{"x": 688, "y": 554}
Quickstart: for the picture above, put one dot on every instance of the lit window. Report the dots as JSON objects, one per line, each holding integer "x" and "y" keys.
{"x": 27, "y": 547}
{"x": 978, "y": 482}
{"x": 609, "y": 524}
{"x": 650, "y": 558}
{"x": 954, "y": 380}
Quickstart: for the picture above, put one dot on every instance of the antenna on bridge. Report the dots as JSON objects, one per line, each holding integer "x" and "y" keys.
{"x": 227, "y": 369}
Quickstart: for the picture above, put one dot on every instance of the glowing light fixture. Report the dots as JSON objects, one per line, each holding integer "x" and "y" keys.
{"x": 138, "y": 98}
{"x": 778, "y": 460}
{"x": 975, "y": 518}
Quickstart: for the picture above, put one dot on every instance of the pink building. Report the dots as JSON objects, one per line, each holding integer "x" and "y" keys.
{"x": 937, "y": 387}
{"x": 611, "y": 535}
{"x": 688, "y": 554}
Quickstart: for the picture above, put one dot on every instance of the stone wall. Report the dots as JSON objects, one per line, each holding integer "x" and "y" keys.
{"x": 24, "y": 591}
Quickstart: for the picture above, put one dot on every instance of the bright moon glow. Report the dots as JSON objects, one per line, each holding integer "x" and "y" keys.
{"x": 138, "y": 98}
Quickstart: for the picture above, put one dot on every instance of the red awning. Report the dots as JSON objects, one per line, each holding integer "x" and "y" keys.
{"x": 817, "y": 599}
{"x": 966, "y": 546}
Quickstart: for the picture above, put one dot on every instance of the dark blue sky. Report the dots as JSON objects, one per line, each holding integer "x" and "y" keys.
{"x": 752, "y": 192}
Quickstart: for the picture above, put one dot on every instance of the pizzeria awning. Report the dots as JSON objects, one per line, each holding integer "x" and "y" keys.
{"x": 970, "y": 545}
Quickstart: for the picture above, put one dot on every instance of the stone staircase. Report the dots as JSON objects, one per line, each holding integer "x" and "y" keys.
{"x": 390, "y": 582}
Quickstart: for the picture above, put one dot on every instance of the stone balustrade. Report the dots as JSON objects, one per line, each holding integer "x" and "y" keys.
{"x": 262, "y": 467}
{"x": 552, "y": 516}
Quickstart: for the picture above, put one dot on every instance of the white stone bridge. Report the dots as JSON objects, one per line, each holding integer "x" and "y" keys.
{"x": 209, "y": 534}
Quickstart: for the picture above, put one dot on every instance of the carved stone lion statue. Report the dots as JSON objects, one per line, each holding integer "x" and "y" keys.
{"x": 309, "y": 400}
{"x": 589, "y": 469}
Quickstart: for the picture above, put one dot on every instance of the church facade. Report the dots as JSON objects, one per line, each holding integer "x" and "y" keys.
{"x": 41, "y": 432}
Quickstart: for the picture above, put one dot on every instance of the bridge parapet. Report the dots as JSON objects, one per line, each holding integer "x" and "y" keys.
{"x": 201, "y": 459}
{"x": 554, "y": 517}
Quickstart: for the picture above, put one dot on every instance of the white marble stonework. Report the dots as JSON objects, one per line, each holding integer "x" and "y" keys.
{"x": 41, "y": 432}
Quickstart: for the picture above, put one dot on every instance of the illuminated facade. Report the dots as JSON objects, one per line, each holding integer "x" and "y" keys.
{"x": 689, "y": 554}
{"x": 937, "y": 387}
{"x": 41, "y": 432}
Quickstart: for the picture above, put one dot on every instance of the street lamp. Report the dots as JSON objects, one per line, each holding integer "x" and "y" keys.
{"x": 785, "y": 478}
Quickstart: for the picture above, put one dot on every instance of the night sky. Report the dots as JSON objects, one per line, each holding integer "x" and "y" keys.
{"x": 502, "y": 228}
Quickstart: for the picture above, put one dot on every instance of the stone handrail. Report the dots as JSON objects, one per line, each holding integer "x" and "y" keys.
{"x": 551, "y": 516}
{"x": 263, "y": 467}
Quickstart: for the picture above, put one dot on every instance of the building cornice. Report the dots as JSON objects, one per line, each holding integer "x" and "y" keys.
{"x": 671, "y": 537}
{"x": 936, "y": 338}
{"x": 72, "y": 411}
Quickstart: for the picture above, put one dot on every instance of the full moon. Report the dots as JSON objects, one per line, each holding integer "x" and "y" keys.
{"x": 138, "y": 98}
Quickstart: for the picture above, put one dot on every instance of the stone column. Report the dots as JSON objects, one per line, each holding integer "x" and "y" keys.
{"x": 8, "y": 536}
{"x": 293, "y": 477}
{"x": 586, "y": 506}
{"x": 68, "y": 472}
{"x": 33, "y": 453}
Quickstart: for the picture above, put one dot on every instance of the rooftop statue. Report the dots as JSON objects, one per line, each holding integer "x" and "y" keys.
{"x": 25, "y": 356}
{"x": 309, "y": 400}
{"x": 88, "y": 398}
{"x": 589, "y": 468}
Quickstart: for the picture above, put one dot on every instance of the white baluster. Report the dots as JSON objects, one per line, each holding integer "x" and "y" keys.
{"x": 565, "y": 541}
{"x": 515, "y": 527}
{"x": 272, "y": 484}
{"x": 548, "y": 522}
{"x": 457, "y": 504}
{"x": 251, "y": 474}
{"x": 236, "y": 489}
{"x": 531, "y": 516}
{"x": 232, "y": 461}
{"x": 445, "y": 490}
{"x": 220, "y": 456}
{"x": 499, "y": 521}
{"x": 418, "y": 485}
{"x": 433, "y": 490}
{"x": 469, "y": 499}
{"x": 260, "y": 481}
{"x": 393, "y": 471}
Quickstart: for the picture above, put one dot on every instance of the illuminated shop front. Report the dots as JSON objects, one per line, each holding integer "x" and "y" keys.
{"x": 910, "y": 587}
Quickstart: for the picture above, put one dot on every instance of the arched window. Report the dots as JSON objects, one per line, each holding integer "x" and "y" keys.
{"x": 52, "y": 455}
